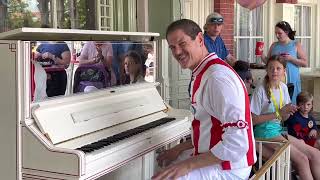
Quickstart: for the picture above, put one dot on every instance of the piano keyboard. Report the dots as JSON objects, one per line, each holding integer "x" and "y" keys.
{"x": 123, "y": 135}
{"x": 100, "y": 134}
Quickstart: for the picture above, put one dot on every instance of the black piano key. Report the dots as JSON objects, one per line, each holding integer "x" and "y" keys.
{"x": 105, "y": 142}
{"x": 123, "y": 135}
{"x": 86, "y": 149}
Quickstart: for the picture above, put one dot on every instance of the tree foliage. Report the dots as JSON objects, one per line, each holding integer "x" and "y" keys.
{"x": 19, "y": 15}
{"x": 80, "y": 16}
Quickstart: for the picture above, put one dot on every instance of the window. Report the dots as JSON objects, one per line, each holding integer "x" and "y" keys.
{"x": 68, "y": 14}
{"x": 76, "y": 14}
{"x": 248, "y": 30}
{"x": 85, "y": 14}
{"x": 302, "y": 26}
{"x": 106, "y": 15}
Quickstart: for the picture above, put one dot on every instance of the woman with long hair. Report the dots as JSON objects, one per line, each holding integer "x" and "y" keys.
{"x": 270, "y": 107}
{"x": 292, "y": 52}
{"x": 133, "y": 67}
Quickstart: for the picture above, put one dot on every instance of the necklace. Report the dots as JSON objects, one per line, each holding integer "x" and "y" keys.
{"x": 274, "y": 101}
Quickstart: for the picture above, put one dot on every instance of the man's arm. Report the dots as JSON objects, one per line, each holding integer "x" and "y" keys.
{"x": 65, "y": 61}
{"x": 172, "y": 154}
{"x": 224, "y": 99}
{"x": 231, "y": 60}
{"x": 107, "y": 53}
{"x": 84, "y": 56}
{"x": 184, "y": 167}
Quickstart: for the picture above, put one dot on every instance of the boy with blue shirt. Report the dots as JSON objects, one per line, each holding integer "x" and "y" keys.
{"x": 302, "y": 125}
{"x": 213, "y": 40}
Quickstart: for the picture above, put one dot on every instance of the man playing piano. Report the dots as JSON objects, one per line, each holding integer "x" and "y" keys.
{"x": 222, "y": 138}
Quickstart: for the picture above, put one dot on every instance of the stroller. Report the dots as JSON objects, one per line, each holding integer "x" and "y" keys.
{"x": 91, "y": 75}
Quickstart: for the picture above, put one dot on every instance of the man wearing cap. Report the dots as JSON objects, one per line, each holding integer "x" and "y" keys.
{"x": 213, "y": 40}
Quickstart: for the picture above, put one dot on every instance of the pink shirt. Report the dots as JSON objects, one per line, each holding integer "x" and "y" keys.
{"x": 89, "y": 50}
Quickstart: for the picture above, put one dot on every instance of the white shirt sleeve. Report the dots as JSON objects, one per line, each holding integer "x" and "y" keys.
{"x": 286, "y": 95}
{"x": 107, "y": 50}
{"x": 84, "y": 52}
{"x": 257, "y": 101}
{"x": 223, "y": 98}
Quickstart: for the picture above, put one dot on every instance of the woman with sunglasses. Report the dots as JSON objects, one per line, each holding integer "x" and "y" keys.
{"x": 292, "y": 52}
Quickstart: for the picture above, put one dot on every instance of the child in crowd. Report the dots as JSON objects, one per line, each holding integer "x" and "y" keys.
{"x": 270, "y": 105}
{"x": 133, "y": 68}
{"x": 302, "y": 125}
{"x": 243, "y": 70}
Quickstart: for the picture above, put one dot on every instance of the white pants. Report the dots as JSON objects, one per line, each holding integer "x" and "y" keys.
{"x": 213, "y": 172}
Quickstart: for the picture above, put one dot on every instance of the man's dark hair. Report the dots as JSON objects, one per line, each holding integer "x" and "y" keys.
{"x": 188, "y": 26}
{"x": 243, "y": 69}
{"x": 241, "y": 66}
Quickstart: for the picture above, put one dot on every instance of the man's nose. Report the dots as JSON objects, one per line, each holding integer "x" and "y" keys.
{"x": 178, "y": 51}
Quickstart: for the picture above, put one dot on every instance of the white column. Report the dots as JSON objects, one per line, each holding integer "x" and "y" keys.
{"x": 118, "y": 5}
{"x": 132, "y": 22}
{"x": 142, "y": 16}
{"x": 54, "y": 14}
{"x": 98, "y": 15}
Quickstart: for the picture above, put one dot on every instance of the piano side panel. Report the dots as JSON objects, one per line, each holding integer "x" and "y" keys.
{"x": 133, "y": 169}
{"x": 10, "y": 126}
{"x": 41, "y": 160}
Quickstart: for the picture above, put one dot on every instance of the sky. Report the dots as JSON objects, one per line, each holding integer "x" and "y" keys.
{"x": 32, "y": 5}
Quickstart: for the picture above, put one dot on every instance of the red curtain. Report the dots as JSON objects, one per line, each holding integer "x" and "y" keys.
{"x": 251, "y": 4}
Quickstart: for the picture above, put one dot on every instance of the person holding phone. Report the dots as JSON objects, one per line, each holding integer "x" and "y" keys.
{"x": 292, "y": 52}
{"x": 55, "y": 58}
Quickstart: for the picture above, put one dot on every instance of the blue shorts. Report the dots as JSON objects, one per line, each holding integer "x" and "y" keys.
{"x": 268, "y": 130}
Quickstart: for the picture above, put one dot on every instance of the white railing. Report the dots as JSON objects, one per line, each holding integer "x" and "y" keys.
{"x": 277, "y": 167}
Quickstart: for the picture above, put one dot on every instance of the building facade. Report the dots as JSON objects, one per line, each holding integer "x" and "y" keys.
{"x": 242, "y": 27}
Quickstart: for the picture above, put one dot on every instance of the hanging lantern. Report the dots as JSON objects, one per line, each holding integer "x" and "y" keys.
{"x": 251, "y": 4}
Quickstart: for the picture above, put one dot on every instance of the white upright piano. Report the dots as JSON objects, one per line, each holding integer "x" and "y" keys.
{"x": 111, "y": 133}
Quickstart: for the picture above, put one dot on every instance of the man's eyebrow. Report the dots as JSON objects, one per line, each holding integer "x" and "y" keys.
{"x": 181, "y": 40}
{"x": 171, "y": 46}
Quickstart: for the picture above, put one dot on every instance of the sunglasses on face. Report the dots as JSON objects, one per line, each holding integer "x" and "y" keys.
{"x": 216, "y": 20}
